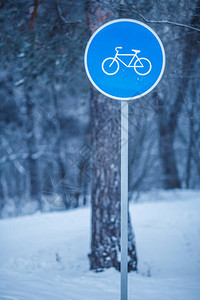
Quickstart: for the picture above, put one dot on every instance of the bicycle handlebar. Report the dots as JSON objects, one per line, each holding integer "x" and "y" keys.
{"x": 116, "y": 49}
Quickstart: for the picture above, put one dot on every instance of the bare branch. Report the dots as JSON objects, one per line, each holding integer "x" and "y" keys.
{"x": 34, "y": 14}
{"x": 164, "y": 21}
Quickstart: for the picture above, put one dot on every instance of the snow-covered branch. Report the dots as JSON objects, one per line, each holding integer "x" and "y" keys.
{"x": 164, "y": 21}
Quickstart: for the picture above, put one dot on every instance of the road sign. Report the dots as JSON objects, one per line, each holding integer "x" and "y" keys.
{"x": 124, "y": 59}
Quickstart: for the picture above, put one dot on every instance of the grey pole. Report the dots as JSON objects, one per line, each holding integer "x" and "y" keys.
{"x": 124, "y": 200}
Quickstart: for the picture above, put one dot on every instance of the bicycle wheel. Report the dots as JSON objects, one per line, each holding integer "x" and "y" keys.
{"x": 110, "y": 66}
{"x": 142, "y": 66}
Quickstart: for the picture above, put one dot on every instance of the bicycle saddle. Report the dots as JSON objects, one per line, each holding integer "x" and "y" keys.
{"x": 136, "y": 51}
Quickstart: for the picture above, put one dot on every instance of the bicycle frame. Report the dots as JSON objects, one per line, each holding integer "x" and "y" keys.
{"x": 127, "y": 65}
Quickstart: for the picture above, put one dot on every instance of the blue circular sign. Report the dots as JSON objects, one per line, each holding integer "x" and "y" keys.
{"x": 124, "y": 59}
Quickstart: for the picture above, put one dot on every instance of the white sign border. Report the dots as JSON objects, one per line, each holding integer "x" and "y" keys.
{"x": 88, "y": 45}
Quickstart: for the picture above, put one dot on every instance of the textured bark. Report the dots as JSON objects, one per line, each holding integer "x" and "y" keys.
{"x": 106, "y": 184}
{"x": 105, "y": 244}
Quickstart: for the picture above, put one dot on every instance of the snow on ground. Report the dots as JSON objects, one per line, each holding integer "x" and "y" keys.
{"x": 44, "y": 256}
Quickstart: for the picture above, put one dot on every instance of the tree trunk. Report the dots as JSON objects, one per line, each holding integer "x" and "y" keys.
{"x": 2, "y": 198}
{"x": 34, "y": 178}
{"x": 167, "y": 155}
{"x": 58, "y": 147}
{"x": 166, "y": 148}
{"x": 168, "y": 124}
{"x": 105, "y": 244}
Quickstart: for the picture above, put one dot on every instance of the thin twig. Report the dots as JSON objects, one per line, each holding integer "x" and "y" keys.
{"x": 165, "y": 22}
{"x": 34, "y": 14}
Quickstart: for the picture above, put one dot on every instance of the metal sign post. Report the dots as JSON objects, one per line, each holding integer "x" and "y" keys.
{"x": 124, "y": 60}
{"x": 124, "y": 200}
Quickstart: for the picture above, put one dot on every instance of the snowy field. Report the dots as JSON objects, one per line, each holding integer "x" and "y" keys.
{"x": 44, "y": 256}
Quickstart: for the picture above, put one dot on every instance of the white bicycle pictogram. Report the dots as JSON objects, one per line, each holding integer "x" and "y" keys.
{"x": 142, "y": 66}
